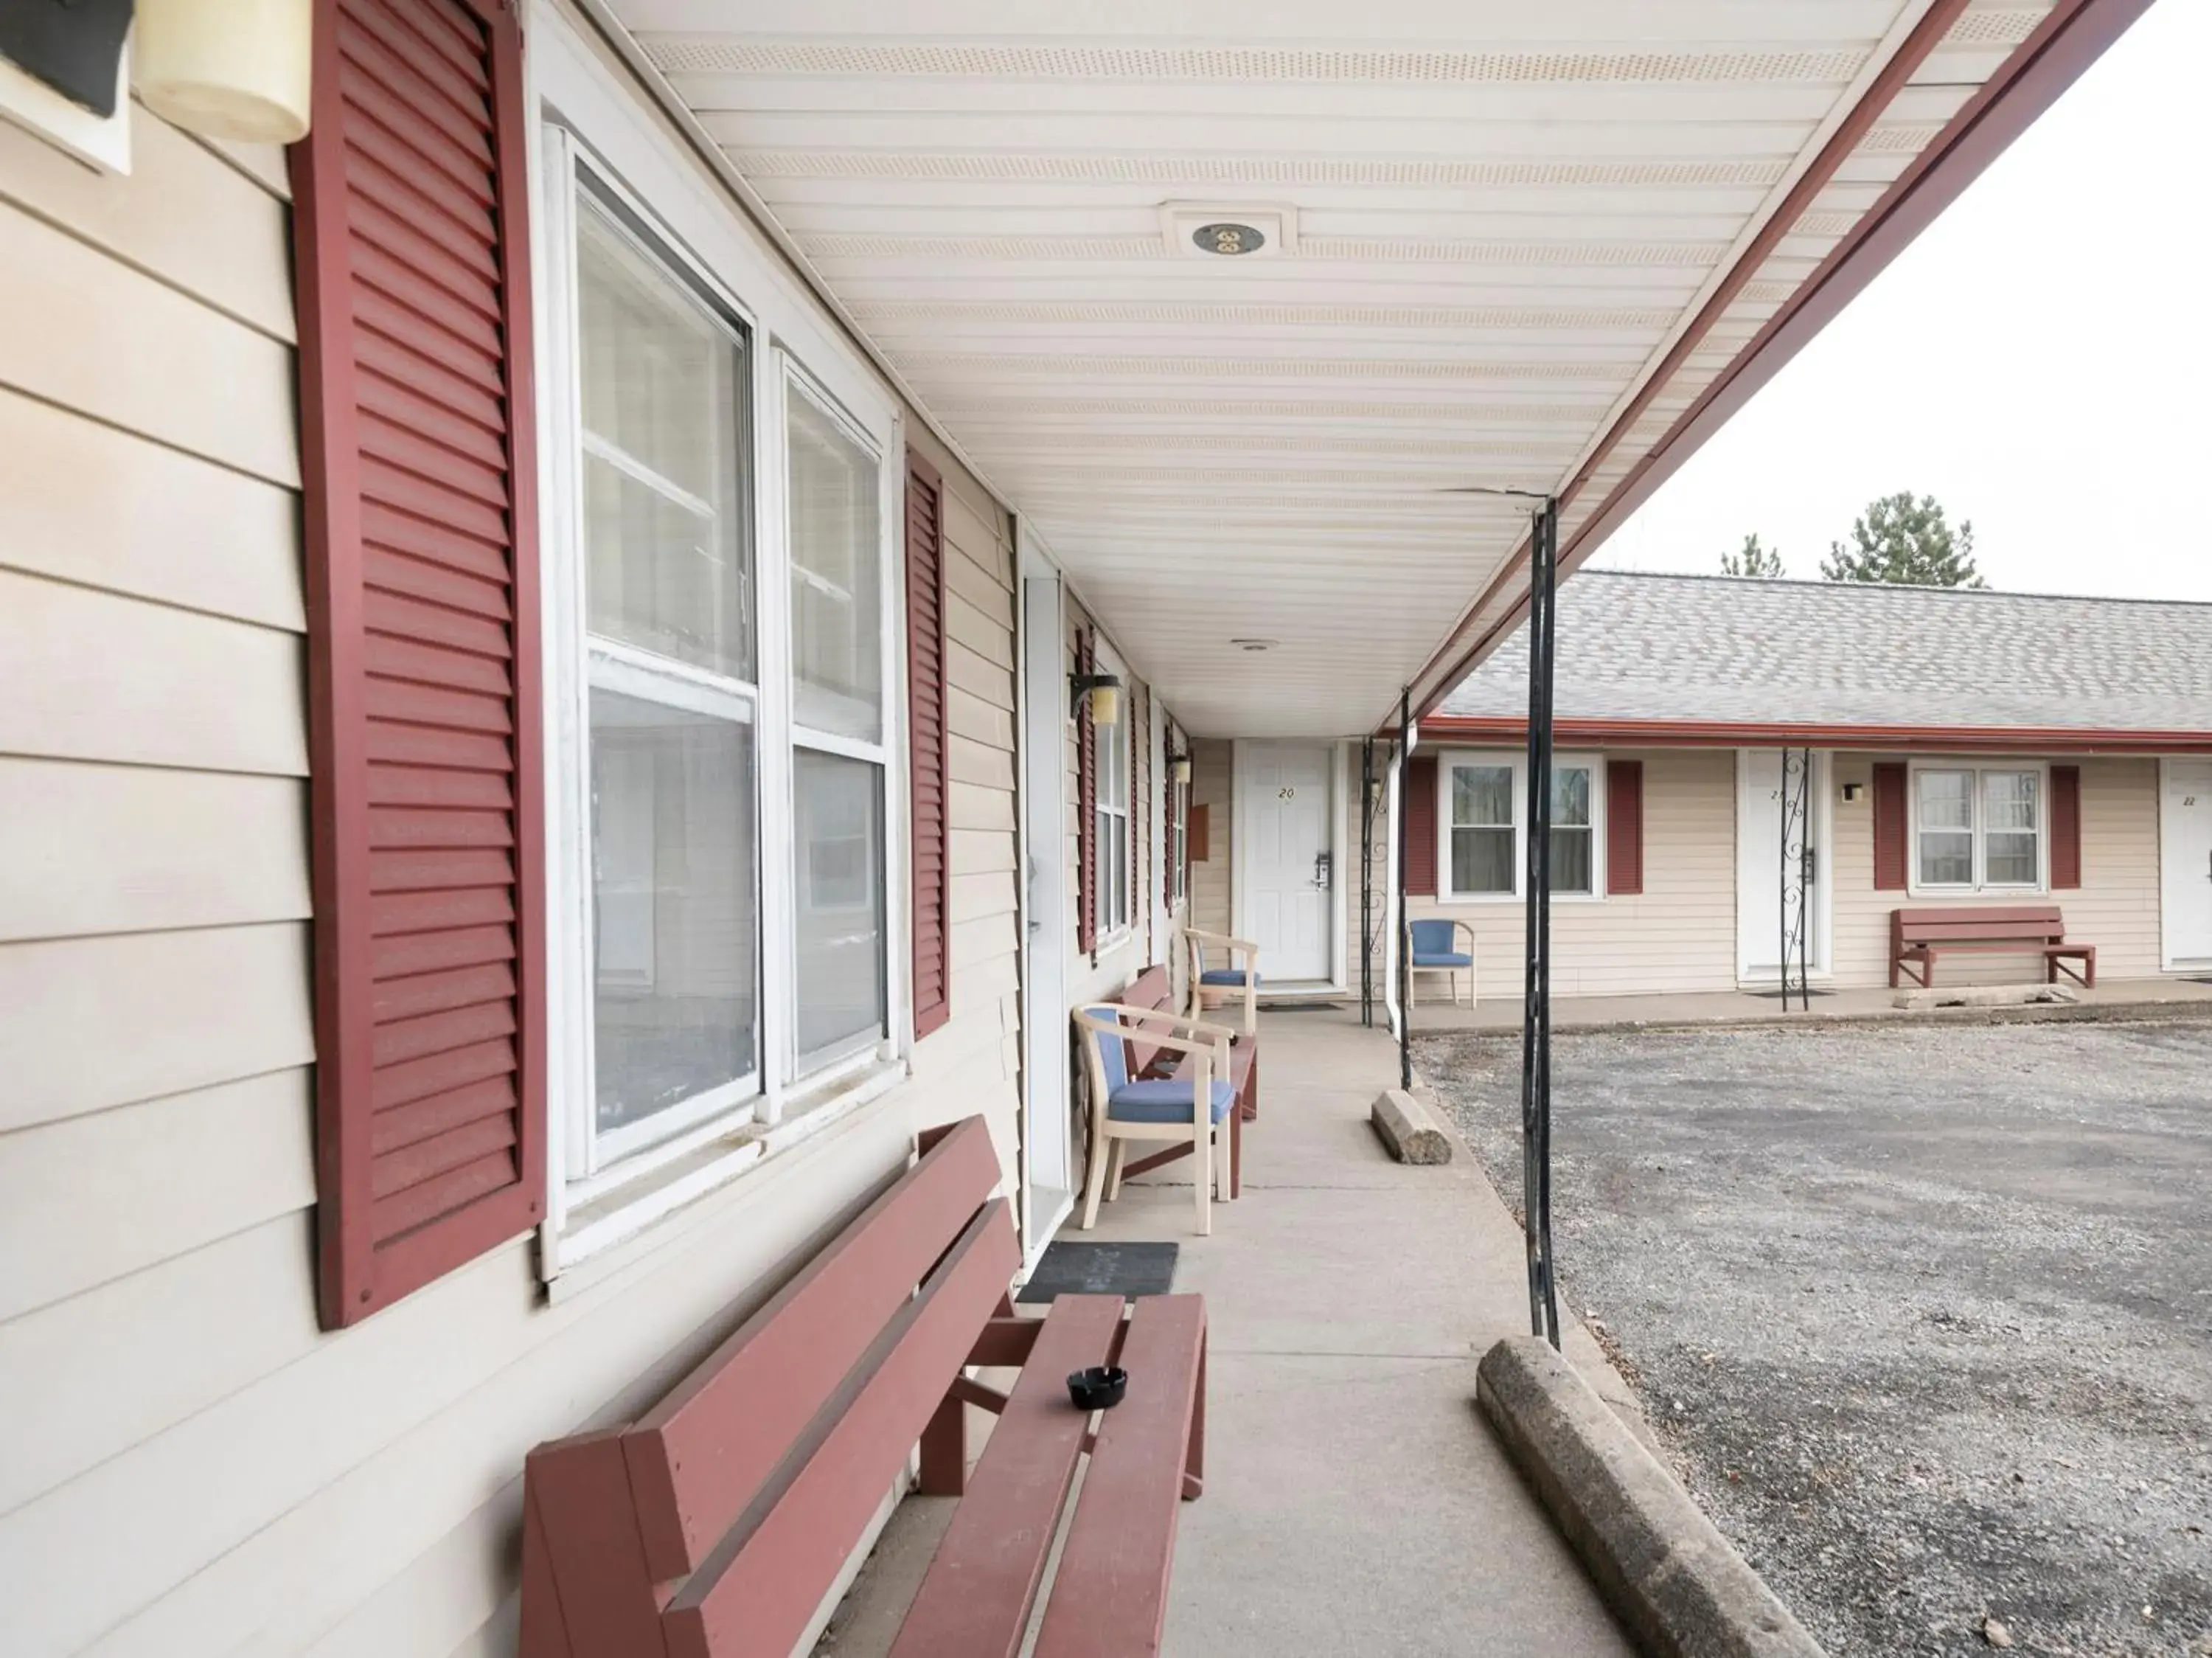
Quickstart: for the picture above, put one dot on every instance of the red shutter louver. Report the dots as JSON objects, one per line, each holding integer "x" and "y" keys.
{"x": 930, "y": 744}
{"x": 1624, "y": 828}
{"x": 1166, "y": 760}
{"x": 1420, "y": 806}
{"x": 1139, "y": 715}
{"x": 411, "y": 241}
{"x": 1892, "y": 864}
{"x": 2065, "y": 828}
{"x": 1087, "y": 812}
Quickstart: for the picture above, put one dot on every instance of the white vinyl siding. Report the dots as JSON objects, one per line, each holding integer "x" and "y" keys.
{"x": 195, "y": 1468}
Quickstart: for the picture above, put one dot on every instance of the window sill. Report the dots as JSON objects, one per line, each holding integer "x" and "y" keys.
{"x": 1941, "y": 893}
{"x": 604, "y": 1234}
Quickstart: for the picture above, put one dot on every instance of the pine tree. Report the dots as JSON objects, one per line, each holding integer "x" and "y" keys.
{"x": 1908, "y": 542}
{"x": 1754, "y": 560}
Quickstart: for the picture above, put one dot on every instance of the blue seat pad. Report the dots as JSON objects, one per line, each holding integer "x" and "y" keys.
{"x": 1442, "y": 959}
{"x": 1224, "y": 976}
{"x": 1167, "y": 1100}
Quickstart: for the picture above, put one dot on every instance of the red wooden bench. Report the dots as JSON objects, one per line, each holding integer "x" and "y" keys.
{"x": 1151, "y": 989}
{"x": 716, "y": 1524}
{"x": 1917, "y": 937}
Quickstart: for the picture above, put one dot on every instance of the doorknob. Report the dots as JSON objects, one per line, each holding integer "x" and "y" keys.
{"x": 1322, "y": 869}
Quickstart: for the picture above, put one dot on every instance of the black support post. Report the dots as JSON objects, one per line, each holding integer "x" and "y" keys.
{"x": 1367, "y": 882}
{"x": 1403, "y": 954}
{"x": 1536, "y": 1009}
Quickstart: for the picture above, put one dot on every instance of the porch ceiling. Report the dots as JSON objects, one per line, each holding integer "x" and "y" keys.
{"x": 1528, "y": 238}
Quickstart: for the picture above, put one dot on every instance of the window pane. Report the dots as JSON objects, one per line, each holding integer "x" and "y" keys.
{"x": 1946, "y": 859}
{"x": 836, "y": 577}
{"x": 2011, "y": 797}
{"x": 2012, "y": 859}
{"x": 1571, "y": 801}
{"x": 839, "y": 804}
{"x": 1482, "y": 861}
{"x": 666, "y": 548}
{"x": 1482, "y": 796}
{"x": 674, "y": 927}
{"x": 1947, "y": 800}
{"x": 1571, "y": 856}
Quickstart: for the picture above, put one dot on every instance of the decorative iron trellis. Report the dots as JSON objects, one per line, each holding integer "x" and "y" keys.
{"x": 1799, "y": 871}
{"x": 1536, "y": 1011}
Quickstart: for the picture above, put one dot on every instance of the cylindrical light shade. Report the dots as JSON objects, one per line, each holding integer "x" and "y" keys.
{"x": 227, "y": 69}
{"x": 1183, "y": 768}
{"x": 1105, "y": 704}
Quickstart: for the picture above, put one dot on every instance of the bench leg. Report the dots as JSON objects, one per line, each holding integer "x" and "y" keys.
{"x": 1236, "y": 1154}
{"x": 1115, "y": 1160}
{"x": 945, "y": 1450}
{"x": 1193, "y": 1462}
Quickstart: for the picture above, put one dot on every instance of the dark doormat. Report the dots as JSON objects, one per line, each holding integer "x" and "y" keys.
{"x": 1775, "y": 995}
{"x": 1102, "y": 1269}
{"x": 1266, "y": 1006}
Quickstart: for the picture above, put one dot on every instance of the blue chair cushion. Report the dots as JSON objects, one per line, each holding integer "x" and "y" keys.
{"x": 1164, "y": 1101}
{"x": 1442, "y": 959}
{"x": 1224, "y": 976}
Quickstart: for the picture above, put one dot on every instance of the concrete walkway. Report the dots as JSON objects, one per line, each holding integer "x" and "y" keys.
{"x": 1355, "y": 1500}
{"x": 1738, "y": 1007}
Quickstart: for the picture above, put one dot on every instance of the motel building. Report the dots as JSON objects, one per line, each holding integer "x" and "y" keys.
{"x": 611, "y": 611}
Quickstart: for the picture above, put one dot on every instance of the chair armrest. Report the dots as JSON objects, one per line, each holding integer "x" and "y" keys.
{"x": 1215, "y": 1043}
{"x": 1245, "y": 945}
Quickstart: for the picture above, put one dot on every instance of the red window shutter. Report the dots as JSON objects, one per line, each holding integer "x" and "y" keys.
{"x": 930, "y": 744}
{"x": 1165, "y": 761}
{"x": 1200, "y": 833}
{"x": 411, "y": 245}
{"x": 1087, "y": 812}
{"x": 1624, "y": 827}
{"x": 1139, "y": 715}
{"x": 1891, "y": 853}
{"x": 1420, "y": 808}
{"x": 2065, "y": 828}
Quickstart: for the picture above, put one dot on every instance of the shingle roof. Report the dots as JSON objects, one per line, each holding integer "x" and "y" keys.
{"x": 1697, "y": 648}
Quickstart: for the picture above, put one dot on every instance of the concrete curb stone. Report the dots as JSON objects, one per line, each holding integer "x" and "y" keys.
{"x": 1409, "y": 1129}
{"x": 1663, "y": 1567}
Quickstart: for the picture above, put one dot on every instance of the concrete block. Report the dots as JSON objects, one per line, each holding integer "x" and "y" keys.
{"x": 1986, "y": 995}
{"x": 1408, "y": 1129}
{"x": 1665, "y": 1569}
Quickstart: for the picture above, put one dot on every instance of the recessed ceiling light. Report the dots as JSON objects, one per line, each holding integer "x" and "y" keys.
{"x": 1228, "y": 239}
{"x": 1230, "y": 230}
{"x": 1255, "y": 645}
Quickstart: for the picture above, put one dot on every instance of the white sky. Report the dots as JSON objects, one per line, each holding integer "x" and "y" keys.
{"x": 2040, "y": 360}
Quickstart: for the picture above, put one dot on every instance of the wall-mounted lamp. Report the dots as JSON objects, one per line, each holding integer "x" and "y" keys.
{"x": 1104, "y": 693}
{"x": 1179, "y": 767}
{"x": 1854, "y": 792}
{"x": 227, "y": 69}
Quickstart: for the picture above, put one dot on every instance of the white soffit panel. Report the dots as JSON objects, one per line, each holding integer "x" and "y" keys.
{"x": 1505, "y": 217}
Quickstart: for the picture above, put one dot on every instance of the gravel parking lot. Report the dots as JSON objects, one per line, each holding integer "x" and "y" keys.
{"x": 1923, "y": 1314}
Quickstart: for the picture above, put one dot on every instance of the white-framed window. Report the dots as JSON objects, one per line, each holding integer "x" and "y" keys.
{"x": 840, "y": 957}
{"x": 1178, "y": 836}
{"x": 721, "y": 650}
{"x": 1111, "y": 837}
{"x": 1978, "y": 828}
{"x": 1482, "y": 818}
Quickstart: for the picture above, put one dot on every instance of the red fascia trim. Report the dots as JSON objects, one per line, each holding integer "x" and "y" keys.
{"x": 2074, "y": 34}
{"x": 1873, "y": 739}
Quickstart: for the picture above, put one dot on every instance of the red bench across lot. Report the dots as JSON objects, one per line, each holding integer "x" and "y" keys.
{"x": 715, "y": 1525}
{"x": 1917, "y": 937}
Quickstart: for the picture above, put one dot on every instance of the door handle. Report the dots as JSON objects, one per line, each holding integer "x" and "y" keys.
{"x": 1322, "y": 861}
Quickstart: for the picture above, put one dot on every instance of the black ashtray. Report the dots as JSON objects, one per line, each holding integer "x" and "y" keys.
{"x": 1098, "y": 1389}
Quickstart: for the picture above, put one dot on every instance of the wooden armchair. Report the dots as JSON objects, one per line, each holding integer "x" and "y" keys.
{"x": 1199, "y": 1107}
{"x": 1210, "y": 986}
{"x": 1433, "y": 946}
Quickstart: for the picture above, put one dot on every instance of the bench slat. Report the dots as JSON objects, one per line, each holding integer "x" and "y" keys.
{"x": 1110, "y": 1597}
{"x": 976, "y": 1599}
{"x": 1960, "y": 932}
{"x": 699, "y": 1458}
{"x": 765, "y": 1581}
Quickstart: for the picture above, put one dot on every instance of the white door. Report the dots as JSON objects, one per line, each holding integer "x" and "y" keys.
{"x": 1283, "y": 858}
{"x": 1758, "y": 866}
{"x": 2186, "y": 857}
{"x": 1048, "y": 1175}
